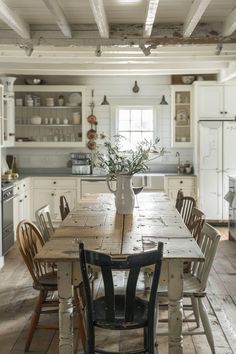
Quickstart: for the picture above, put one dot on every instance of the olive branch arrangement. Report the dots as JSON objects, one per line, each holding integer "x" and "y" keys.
{"x": 115, "y": 161}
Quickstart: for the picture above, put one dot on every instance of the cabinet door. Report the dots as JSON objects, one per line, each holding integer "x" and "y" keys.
{"x": 210, "y": 146}
{"x": 172, "y": 194}
{"x": 210, "y": 102}
{"x": 211, "y": 194}
{"x": 18, "y": 210}
{"x": 27, "y": 205}
{"x": 229, "y": 101}
{"x": 42, "y": 197}
{"x": 229, "y": 146}
{"x": 93, "y": 186}
{"x": 9, "y": 121}
{"x": 181, "y": 116}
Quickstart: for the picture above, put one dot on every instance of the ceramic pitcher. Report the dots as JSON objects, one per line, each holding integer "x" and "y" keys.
{"x": 124, "y": 195}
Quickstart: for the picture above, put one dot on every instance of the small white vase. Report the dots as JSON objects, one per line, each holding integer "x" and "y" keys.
{"x": 124, "y": 194}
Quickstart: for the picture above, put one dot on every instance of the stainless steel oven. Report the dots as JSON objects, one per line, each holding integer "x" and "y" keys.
{"x": 7, "y": 217}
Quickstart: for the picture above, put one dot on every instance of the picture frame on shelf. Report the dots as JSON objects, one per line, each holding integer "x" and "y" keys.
{"x": 181, "y": 117}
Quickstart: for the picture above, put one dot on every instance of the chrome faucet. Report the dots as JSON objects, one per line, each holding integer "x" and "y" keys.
{"x": 178, "y": 167}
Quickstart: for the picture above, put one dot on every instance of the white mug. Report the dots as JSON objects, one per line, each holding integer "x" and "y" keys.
{"x": 50, "y": 120}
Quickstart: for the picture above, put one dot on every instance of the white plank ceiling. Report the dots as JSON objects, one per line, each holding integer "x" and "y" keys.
{"x": 97, "y": 37}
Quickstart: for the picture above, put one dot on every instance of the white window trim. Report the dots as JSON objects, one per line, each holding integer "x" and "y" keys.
{"x": 139, "y": 103}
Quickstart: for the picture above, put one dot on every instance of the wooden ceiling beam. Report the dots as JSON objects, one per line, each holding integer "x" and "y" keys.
{"x": 14, "y": 21}
{"x": 230, "y": 24}
{"x": 194, "y": 15}
{"x": 100, "y": 17}
{"x": 150, "y": 17}
{"x": 121, "y": 35}
{"x": 56, "y": 10}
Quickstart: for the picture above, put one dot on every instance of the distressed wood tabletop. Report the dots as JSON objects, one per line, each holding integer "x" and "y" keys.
{"x": 95, "y": 222}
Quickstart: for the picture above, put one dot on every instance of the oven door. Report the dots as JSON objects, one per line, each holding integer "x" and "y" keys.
{"x": 7, "y": 212}
{"x": 7, "y": 225}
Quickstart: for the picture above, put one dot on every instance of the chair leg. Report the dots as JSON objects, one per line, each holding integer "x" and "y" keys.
{"x": 80, "y": 318}
{"x": 206, "y": 324}
{"x": 195, "y": 310}
{"x": 35, "y": 318}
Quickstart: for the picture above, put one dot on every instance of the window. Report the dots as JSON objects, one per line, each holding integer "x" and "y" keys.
{"x": 135, "y": 124}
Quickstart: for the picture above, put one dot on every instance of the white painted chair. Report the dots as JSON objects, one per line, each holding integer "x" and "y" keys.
{"x": 195, "y": 281}
{"x": 44, "y": 222}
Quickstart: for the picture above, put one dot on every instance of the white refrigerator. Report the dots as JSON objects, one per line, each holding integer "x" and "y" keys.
{"x": 217, "y": 161}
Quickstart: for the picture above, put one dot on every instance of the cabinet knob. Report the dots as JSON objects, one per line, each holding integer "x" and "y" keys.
{"x": 54, "y": 182}
{"x": 21, "y": 201}
{"x": 221, "y": 112}
{"x": 25, "y": 196}
{"x": 52, "y": 194}
{"x": 12, "y": 134}
{"x": 180, "y": 182}
{"x": 226, "y": 112}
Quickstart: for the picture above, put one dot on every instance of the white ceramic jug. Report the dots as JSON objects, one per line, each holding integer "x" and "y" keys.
{"x": 125, "y": 198}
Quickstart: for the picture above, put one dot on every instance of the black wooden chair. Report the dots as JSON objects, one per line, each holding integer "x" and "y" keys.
{"x": 124, "y": 311}
{"x": 179, "y": 200}
{"x": 64, "y": 207}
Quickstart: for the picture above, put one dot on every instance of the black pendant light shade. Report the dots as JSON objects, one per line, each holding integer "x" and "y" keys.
{"x": 105, "y": 102}
{"x": 163, "y": 101}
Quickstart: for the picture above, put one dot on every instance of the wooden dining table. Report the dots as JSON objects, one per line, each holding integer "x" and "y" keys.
{"x": 95, "y": 222}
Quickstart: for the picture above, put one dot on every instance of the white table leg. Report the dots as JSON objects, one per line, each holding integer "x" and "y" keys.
{"x": 175, "y": 297}
{"x": 65, "y": 307}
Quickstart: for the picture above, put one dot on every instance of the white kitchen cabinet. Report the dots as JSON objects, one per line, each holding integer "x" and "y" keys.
{"x": 22, "y": 201}
{"x": 94, "y": 185}
{"x": 8, "y": 127}
{"x": 49, "y": 190}
{"x": 217, "y": 141}
{"x": 44, "y": 119}
{"x": 149, "y": 182}
{"x": 173, "y": 183}
{"x": 216, "y": 101}
{"x": 181, "y": 116}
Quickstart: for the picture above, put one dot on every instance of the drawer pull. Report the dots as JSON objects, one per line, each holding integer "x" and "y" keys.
{"x": 52, "y": 194}
{"x": 54, "y": 182}
{"x": 180, "y": 182}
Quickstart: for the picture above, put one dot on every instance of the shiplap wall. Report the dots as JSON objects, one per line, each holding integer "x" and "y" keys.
{"x": 118, "y": 90}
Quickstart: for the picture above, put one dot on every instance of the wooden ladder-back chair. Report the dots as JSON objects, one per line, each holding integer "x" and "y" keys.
{"x": 124, "y": 311}
{"x": 64, "y": 207}
{"x": 195, "y": 282}
{"x": 30, "y": 241}
{"x": 195, "y": 226}
{"x": 196, "y": 223}
{"x": 185, "y": 205}
{"x": 44, "y": 222}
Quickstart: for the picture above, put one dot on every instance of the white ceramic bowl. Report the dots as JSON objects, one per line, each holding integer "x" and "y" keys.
{"x": 188, "y": 79}
{"x": 36, "y": 120}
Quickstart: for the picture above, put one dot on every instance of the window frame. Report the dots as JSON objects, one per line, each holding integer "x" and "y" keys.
{"x": 146, "y": 104}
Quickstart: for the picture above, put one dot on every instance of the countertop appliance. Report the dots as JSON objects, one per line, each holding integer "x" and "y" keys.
{"x": 7, "y": 216}
{"x": 81, "y": 164}
{"x": 217, "y": 145}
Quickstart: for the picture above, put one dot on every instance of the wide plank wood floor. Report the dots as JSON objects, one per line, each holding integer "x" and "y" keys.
{"x": 17, "y": 299}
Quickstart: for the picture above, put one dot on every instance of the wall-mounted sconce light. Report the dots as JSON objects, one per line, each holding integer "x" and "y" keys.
{"x": 105, "y": 102}
{"x": 163, "y": 101}
{"x": 135, "y": 88}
